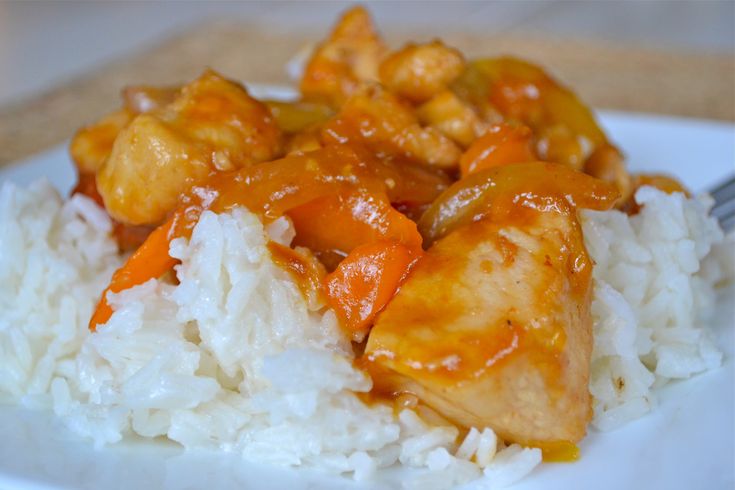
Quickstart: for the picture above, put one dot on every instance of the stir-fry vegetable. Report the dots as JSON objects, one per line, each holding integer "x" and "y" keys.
{"x": 365, "y": 282}
{"x": 150, "y": 261}
{"x": 500, "y": 145}
{"x": 512, "y": 193}
{"x": 565, "y": 129}
{"x": 355, "y": 217}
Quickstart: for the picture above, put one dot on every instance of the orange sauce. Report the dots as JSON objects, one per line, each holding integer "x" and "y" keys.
{"x": 87, "y": 186}
{"x": 273, "y": 188}
{"x": 518, "y": 99}
{"x": 305, "y": 272}
{"x": 661, "y": 182}
{"x": 557, "y": 451}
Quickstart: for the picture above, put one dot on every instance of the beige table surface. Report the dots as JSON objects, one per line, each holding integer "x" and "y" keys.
{"x": 607, "y": 75}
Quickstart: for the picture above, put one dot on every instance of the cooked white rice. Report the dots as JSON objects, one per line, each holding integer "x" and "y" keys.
{"x": 651, "y": 299}
{"x": 234, "y": 358}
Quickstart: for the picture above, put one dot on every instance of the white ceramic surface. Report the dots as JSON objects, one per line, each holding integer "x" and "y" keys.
{"x": 687, "y": 442}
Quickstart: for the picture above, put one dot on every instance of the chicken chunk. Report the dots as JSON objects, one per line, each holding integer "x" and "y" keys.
{"x": 349, "y": 56}
{"x": 418, "y": 72}
{"x": 453, "y": 117}
{"x": 92, "y": 144}
{"x": 150, "y": 165}
{"x": 492, "y": 328}
{"x": 387, "y": 126}
{"x": 212, "y": 125}
{"x": 236, "y": 129}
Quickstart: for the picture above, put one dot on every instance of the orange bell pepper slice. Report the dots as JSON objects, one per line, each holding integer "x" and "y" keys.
{"x": 501, "y": 145}
{"x": 332, "y": 226}
{"x": 150, "y": 261}
{"x": 365, "y": 281}
{"x": 512, "y": 194}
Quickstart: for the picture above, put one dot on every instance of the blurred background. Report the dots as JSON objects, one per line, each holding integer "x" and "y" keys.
{"x": 63, "y": 62}
{"x": 45, "y": 42}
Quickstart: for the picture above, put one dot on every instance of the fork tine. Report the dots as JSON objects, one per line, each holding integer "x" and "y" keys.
{"x": 724, "y": 207}
{"x": 727, "y": 222}
{"x": 725, "y": 191}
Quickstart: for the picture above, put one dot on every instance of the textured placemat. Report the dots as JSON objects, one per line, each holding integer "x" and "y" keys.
{"x": 614, "y": 77}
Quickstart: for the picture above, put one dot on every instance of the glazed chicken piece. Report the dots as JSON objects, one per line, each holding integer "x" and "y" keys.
{"x": 211, "y": 125}
{"x": 452, "y": 117}
{"x": 91, "y": 147}
{"x": 418, "y": 72}
{"x": 492, "y": 327}
{"x": 383, "y": 123}
{"x": 349, "y": 56}
{"x": 490, "y": 331}
{"x": 92, "y": 144}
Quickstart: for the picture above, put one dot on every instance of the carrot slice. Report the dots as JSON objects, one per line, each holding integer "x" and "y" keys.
{"x": 365, "y": 281}
{"x": 150, "y": 261}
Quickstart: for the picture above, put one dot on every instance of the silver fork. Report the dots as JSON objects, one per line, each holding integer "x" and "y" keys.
{"x": 724, "y": 208}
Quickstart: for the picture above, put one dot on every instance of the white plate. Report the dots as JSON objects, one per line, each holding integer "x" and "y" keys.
{"x": 686, "y": 442}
